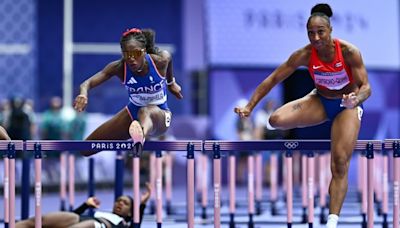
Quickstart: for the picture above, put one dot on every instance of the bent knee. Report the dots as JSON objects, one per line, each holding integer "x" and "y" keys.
{"x": 276, "y": 121}
{"x": 340, "y": 167}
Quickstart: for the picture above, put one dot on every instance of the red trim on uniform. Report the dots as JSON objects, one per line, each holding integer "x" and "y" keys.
{"x": 155, "y": 67}
{"x": 124, "y": 73}
{"x": 329, "y": 67}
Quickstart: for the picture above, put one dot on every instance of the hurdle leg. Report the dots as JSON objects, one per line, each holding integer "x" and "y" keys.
{"x": 258, "y": 182}
{"x": 274, "y": 183}
{"x": 38, "y": 186}
{"x": 217, "y": 186}
{"x": 322, "y": 187}
{"x": 63, "y": 180}
{"x": 119, "y": 175}
{"x": 168, "y": 183}
{"x": 6, "y": 184}
{"x": 364, "y": 195}
{"x": 25, "y": 183}
{"x": 310, "y": 187}
{"x": 71, "y": 180}
{"x": 370, "y": 165}
{"x": 158, "y": 179}
{"x": 385, "y": 190}
{"x": 152, "y": 183}
{"x": 138, "y": 147}
{"x": 232, "y": 190}
{"x": 396, "y": 184}
{"x": 190, "y": 185}
{"x": 11, "y": 187}
{"x": 204, "y": 188}
{"x": 289, "y": 188}
{"x": 250, "y": 189}
{"x": 304, "y": 187}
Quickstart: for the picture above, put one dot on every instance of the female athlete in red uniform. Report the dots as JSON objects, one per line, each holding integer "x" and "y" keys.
{"x": 342, "y": 86}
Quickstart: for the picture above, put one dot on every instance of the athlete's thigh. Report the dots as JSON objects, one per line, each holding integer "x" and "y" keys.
{"x": 161, "y": 120}
{"x": 344, "y": 133}
{"x": 303, "y": 112}
{"x": 113, "y": 129}
{"x": 85, "y": 224}
{"x": 59, "y": 219}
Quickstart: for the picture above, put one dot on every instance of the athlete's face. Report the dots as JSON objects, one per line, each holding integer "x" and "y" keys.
{"x": 319, "y": 32}
{"x": 122, "y": 206}
{"x": 133, "y": 54}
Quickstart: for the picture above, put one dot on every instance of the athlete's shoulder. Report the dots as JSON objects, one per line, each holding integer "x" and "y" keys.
{"x": 348, "y": 49}
{"x": 161, "y": 59}
{"x": 301, "y": 56}
{"x": 115, "y": 67}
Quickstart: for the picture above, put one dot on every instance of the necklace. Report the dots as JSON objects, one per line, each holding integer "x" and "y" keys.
{"x": 142, "y": 67}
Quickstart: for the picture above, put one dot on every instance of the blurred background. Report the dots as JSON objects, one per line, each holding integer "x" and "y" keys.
{"x": 222, "y": 49}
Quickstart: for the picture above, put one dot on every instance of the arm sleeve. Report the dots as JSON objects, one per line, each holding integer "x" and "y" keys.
{"x": 142, "y": 208}
{"x": 82, "y": 208}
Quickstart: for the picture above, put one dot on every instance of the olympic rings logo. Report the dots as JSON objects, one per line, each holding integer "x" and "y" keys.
{"x": 291, "y": 145}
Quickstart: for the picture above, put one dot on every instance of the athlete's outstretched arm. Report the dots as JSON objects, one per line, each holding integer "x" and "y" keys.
{"x": 105, "y": 74}
{"x": 297, "y": 59}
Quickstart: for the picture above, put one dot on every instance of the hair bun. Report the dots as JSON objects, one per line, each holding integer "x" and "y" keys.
{"x": 322, "y": 8}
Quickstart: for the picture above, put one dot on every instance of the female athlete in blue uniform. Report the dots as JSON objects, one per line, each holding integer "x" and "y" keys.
{"x": 342, "y": 86}
{"x": 146, "y": 73}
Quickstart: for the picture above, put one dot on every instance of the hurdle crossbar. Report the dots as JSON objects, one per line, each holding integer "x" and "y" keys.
{"x": 114, "y": 145}
{"x": 284, "y": 145}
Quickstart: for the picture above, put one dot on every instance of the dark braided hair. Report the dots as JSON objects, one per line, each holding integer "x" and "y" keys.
{"x": 322, "y": 10}
{"x": 129, "y": 219}
{"x": 145, "y": 36}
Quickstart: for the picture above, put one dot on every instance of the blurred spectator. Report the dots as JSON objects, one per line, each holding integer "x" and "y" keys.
{"x": 52, "y": 126}
{"x": 4, "y": 111}
{"x": 76, "y": 127}
{"x": 18, "y": 124}
{"x": 30, "y": 110}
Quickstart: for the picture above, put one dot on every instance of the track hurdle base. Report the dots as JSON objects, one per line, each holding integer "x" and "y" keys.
{"x": 231, "y": 220}
{"x": 152, "y": 210}
{"x": 364, "y": 220}
{"x": 274, "y": 211}
{"x": 168, "y": 208}
{"x": 258, "y": 207}
{"x": 322, "y": 217}
{"x": 385, "y": 223}
{"x": 251, "y": 222}
{"x": 204, "y": 213}
{"x": 304, "y": 218}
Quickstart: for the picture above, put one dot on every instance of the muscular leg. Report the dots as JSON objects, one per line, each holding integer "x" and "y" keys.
{"x": 344, "y": 135}
{"x": 55, "y": 219}
{"x": 152, "y": 119}
{"x": 116, "y": 128}
{"x": 303, "y": 112}
{"x": 84, "y": 224}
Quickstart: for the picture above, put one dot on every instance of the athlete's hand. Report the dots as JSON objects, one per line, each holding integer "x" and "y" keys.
{"x": 93, "y": 202}
{"x": 175, "y": 89}
{"x": 349, "y": 100}
{"x": 243, "y": 111}
{"x": 80, "y": 102}
{"x": 146, "y": 194}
